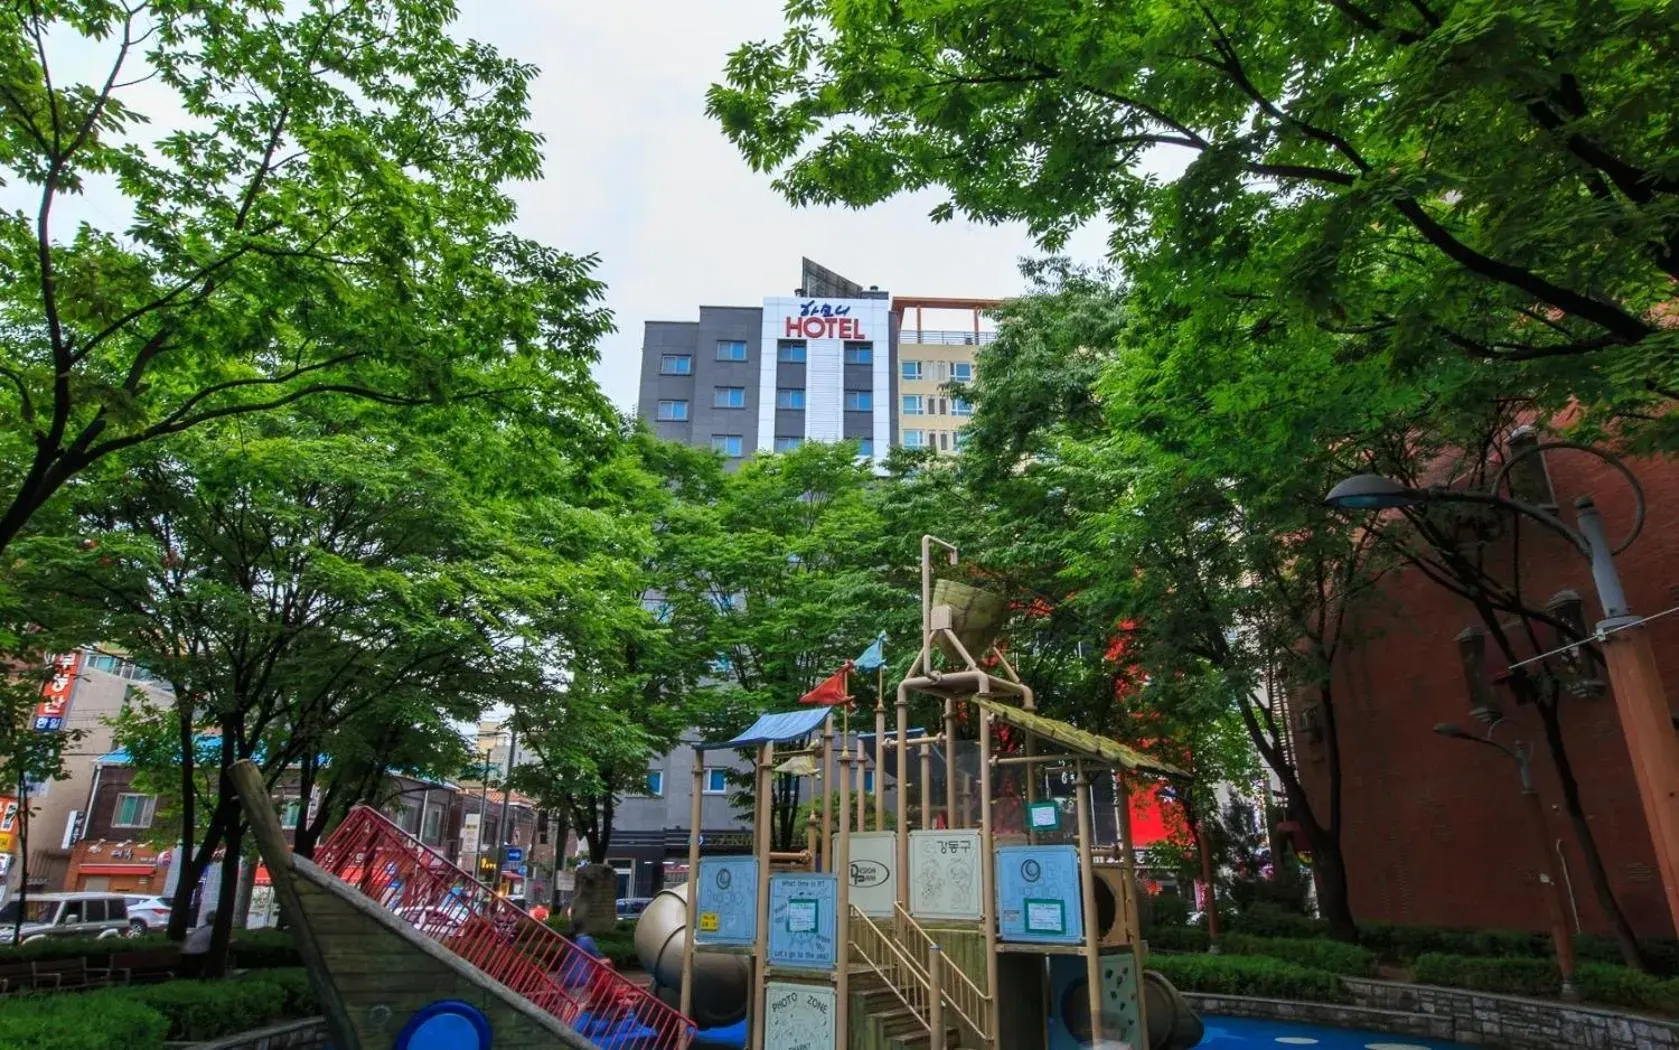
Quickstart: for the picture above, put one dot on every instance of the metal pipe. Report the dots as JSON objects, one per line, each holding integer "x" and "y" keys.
{"x": 902, "y": 840}
{"x": 1087, "y": 881}
{"x": 879, "y": 744}
{"x": 950, "y": 763}
{"x": 761, "y": 847}
{"x": 695, "y": 815}
{"x": 988, "y": 874}
{"x": 842, "y": 925}
{"x": 828, "y": 794}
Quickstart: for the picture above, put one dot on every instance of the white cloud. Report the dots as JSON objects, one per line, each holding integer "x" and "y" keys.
{"x": 639, "y": 174}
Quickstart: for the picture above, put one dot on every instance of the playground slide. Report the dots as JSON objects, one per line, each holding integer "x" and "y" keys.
{"x": 722, "y": 983}
{"x": 1172, "y": 1023}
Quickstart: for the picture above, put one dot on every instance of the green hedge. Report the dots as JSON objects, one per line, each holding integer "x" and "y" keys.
{"x": 1348, "y": 960}
{"x": 294, "y": 986}
{"x": 1505, "y": 976}
{"x": 201, "y": 1010}
{"x": 619, "y": 945}
{"x": 1620, "y": 986}
{"x": 1249, "y": 975}
{"x": 1267, "y": 920}
{"x": 1177, "y": 939}
{"x": 91, "y": 1021}
{"x": 252, "y": 949}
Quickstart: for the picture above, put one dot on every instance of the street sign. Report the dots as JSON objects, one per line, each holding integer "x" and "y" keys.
{"x": 523, "y": 871}
{"x": 515, "y": 854}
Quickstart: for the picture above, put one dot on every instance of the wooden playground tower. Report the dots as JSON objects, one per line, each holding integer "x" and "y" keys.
{"x": 873, "y": 940}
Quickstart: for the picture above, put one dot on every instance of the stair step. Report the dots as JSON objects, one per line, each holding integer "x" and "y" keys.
{"x": 922, "y": 1038}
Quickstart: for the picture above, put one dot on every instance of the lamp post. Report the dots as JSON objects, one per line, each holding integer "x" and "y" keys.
{"x": 1640, "y": 697}
{"x": 1562, "y": 938}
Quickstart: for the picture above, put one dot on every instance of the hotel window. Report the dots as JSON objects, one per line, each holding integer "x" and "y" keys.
{"x": 790, "y": 398}
{"x": 731, "y": 350}
{"x": 912, "y": 370}
{"x": 962, "y": 372}
{"x": 676, "y": 365}
{"x": 859, "y": 400}
{"x": 859, "y": 353}
{"x": 716, "y": 781}
{"x": 673, "y": 411}
{"x": 960, "y": 407}
{"x": 788, "y": 444}
{"x": 133, "y": 811}
{"x": 656, "y": 783}
{"x": 728, "y": 444}
{"x": 865, "y": 447}
{"x": 914, "y": 439}
{"x": 941, "y": 370}
{"x": 728, "y": 397}
{"x": 789, "y": 352}
{"x": 914, "y": 405}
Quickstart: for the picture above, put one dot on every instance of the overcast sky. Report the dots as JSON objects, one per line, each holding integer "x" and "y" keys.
{"x": 637, "y": 173}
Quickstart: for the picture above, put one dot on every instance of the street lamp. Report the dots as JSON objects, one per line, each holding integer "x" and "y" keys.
{"x": 1640, "y": 698}
{"x": 1562, "y": 939}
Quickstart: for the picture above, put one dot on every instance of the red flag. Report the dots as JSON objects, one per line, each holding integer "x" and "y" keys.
{"x": 832, "y": 691}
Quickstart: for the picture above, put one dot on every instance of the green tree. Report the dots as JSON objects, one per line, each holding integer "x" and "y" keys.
{"x": 1451, "y": 182}
{"x": 328, "y": 217}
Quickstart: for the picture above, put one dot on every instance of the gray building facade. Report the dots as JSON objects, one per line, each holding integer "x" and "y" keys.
{"x": 746, "y": 379}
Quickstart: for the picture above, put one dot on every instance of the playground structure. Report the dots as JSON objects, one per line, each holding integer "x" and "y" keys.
{"x": 904, "y": 937}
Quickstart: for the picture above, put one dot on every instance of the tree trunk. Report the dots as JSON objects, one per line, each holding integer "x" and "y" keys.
{"x": 182, "y": 902}
{"x": 1329, "y": 871}
{"x": 247, "y": 889}
{"x": 1208, "y": 880}
{"x": 1595, "y": 871}
{"x": 221, "y": 931}
{"x": 193, "y": 864}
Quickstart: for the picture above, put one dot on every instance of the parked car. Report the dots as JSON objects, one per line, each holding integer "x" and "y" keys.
{"x": 147, "y": 914}
{"x": 632, "y": 907}
{"x": 64, "y": 915}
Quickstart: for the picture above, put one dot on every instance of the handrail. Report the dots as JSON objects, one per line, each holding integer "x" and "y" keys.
{"x": 881, "y": 954}
{"x": 957, "y": 987}
{"x": 447, "y": 905}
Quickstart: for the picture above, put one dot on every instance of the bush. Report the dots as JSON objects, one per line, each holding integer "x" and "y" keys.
{"x": 299, "y": 995}
{"x": 265, "y": 949}
{"x": 1167, "y": 910}
{"x": 1347, "y": 960}
{"x": 1621, "y": 986}
{"x": 1249, "y": 975}
{"x": 619, "y": 945}
{"x": 203, "y": 1010}
{"x": 1506, "y": 976}
{"x": 91, "y": 1021}
{"x": 1405, "y": 943}
{"x": 1178, "y": 939}
{"x": 93, "y": 949}
{"x": 1661, "y": 956}
{"x": 1263, "y": 919}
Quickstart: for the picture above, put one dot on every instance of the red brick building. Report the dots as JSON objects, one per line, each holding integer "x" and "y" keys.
{"x": 1435, "y": 830}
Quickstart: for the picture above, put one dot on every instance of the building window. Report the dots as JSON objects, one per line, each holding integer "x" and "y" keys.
{"x": 914, "y": 439}
{"x": 961, "y": 440}
{"x": 912, "y": 371}
{"x": 134, "y": 811}
{"x": 961, "y": 407}
{"x": 673, "y": 411}
{"x": 729, "y": 445}
{"x": 944, "y": 440}
{"x": 868, "y": 781}
{"x": 859, "y": 353}
{"x": 788, "y": 444}
{"x": 656, "y": 783}
{"x": 914, "y": 405}
{"x": 859, "y": 400}
{"x": 731, "y": 350}
{"x": 431, "y": 827}
{"x": 791, "y": 398}
{"x": 716, "y": 781}
{"x": 291, "y": 809}
{"x": 961, "y": 372}
{"x": 865, "y": 447}
{"x": 676, "y": 365}
{"x": 728, "y": 397}
{"x": 790, "y": 352}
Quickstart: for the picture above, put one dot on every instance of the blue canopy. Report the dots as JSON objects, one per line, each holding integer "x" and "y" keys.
{"x": 774, "y": 728}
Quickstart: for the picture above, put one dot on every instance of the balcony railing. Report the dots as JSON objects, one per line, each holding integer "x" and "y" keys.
{"x": 944, "y": 337}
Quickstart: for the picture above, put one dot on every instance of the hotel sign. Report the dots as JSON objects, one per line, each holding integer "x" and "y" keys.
{"x": 820, "y": 320}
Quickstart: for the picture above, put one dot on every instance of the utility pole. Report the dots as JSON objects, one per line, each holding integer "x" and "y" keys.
{"x": 506, "y": 796}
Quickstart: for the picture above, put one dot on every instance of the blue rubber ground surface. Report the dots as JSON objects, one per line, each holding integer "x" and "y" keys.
{"x": 1241, "y": 1033}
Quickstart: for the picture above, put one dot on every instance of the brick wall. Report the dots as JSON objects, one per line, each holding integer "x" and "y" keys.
{"x": 1435, "y": 831}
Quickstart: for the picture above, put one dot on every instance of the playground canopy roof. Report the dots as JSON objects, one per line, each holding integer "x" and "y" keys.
{"x": 775, "y": 728}
{"x": 1080, "y": 743}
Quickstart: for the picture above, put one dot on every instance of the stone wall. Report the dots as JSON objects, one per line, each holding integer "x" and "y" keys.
{"x": 1476, "y": 1018}
{"x": 293, "y": 1035}
{"x": 1520, "y": 1024}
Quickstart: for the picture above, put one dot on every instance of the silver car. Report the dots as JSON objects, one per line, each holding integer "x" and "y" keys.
{"x": 147, "y": 914}
{"x": 99, "y": 915}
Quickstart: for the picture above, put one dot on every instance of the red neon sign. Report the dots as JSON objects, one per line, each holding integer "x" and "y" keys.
{"x": 823, "y": 328}
{"x": 55, "y": 695}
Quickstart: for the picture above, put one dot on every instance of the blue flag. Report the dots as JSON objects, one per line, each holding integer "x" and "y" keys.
{"x": 873, "y": 656}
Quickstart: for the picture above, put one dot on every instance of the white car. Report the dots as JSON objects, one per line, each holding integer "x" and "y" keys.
{"x": 147, "y": 914}
{"x": 435, "y": 921}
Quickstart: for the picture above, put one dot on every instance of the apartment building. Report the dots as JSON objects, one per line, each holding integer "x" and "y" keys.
{"x": 930, "y": 360}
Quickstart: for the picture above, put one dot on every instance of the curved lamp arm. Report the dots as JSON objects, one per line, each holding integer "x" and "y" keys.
{"x": 1442, "y": 494}
{"x": 1607, "y": 457}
